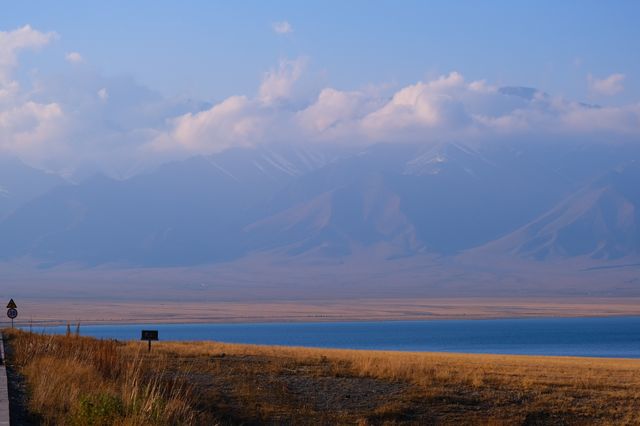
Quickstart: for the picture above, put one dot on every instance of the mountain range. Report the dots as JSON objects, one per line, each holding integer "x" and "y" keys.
{"x": 544, "y": 202}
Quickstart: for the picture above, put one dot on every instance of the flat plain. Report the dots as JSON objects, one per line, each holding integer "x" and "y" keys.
{"x": 91, "y": 310}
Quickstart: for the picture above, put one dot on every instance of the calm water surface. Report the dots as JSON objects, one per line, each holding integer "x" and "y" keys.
{"x": 602, "y": 337}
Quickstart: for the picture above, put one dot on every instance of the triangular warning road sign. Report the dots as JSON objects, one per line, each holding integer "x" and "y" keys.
{"x": 11, "y": 304}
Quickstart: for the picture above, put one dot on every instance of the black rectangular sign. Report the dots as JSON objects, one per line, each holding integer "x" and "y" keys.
{"x": 149, "y": 335}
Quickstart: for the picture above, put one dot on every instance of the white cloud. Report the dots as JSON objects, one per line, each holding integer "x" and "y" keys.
{"x": 103, "y": 94}
{"x": 422, "y": 112}
{"x": 608, "y": 86}
{"x": 332, "y": 109}
{"x": 82, "y": 120}
{"x": 62, "y": 122}
{"x": 236, "y": 121}
{"x": 26, "y": 124}
{"x": 282, "y": 27}
{"x": 429, "y": 104}
{"x": 11, "y": 42}
{"x": 74, "y": 58}
{"x": 21, "y": 119}
{"x": 26, "y": 129}
{"x": 445, "y": 107}
{"x": 278, "y": 83}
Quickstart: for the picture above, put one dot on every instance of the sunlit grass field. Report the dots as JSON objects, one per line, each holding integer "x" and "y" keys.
{"x": 77, "y": 380}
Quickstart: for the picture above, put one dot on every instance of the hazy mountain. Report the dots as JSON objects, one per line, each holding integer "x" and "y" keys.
{"x": 181, "y": 213}
{"x": 448, "y": 198}
{"x": 364, "y": 212}
{"x": 528, "y": 200}
{"x": 601, "y": 221}
{"x": 20, "y": 183}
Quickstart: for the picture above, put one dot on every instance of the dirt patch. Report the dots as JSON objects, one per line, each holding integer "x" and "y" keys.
{"x": 271, "y": 390}
{"x": 343, "y": 393}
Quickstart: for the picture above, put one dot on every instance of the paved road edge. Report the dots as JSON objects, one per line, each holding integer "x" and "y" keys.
{"x": 4, "y": 389}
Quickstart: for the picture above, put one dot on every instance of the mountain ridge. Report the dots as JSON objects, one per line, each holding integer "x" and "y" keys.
{"x": 403, "y": 200}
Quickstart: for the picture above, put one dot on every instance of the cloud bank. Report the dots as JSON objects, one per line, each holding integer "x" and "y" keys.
{"x": 85, "y": 121}
{"x": 424, "y": 112}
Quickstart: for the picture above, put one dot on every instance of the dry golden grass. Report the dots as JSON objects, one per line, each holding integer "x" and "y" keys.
{"x": 73, "y": 379}
{"x": 460, "y": 388}
{"x": 424, "y": 367}
{"x": 79, "y": 380}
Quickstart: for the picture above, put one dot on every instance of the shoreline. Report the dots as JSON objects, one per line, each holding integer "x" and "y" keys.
{"x": 338, "y": 350}
{"x": 300, "y": 320}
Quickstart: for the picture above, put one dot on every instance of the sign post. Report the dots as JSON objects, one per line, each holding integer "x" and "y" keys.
{"x": 12, "y": 311}
{"x": 149, "y": 335}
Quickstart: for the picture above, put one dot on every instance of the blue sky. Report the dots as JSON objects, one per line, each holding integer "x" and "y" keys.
{"x": 121, "y": 86}
{"x": 212, "y": 50}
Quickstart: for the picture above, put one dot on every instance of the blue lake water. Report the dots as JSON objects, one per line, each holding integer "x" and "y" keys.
{"x": 600, "y": 337}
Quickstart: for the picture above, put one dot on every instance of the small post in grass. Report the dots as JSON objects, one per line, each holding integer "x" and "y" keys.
{"x": 149, "y": 335}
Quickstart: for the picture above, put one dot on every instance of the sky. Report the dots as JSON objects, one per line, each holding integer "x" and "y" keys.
{"x": 112, "y": 85}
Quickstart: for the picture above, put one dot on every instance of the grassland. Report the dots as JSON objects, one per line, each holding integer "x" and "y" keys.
{"x": 75, "y": 380}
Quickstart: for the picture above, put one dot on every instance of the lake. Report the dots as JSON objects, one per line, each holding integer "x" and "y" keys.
{"x": 599, "y": 337}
